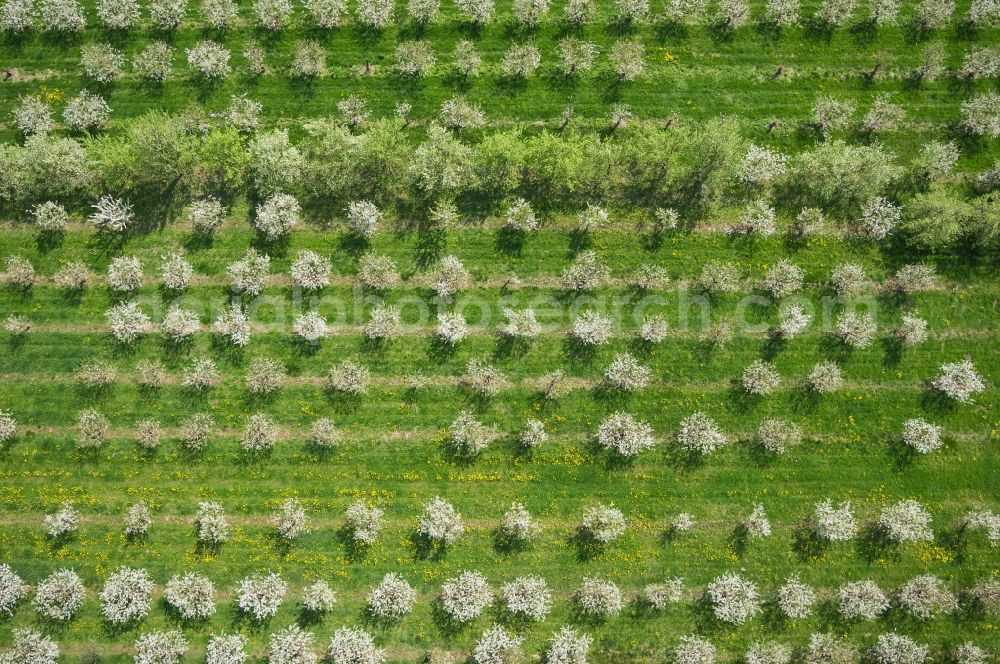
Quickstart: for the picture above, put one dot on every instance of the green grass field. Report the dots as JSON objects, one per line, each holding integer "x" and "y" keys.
{"x": 395, "y": 442}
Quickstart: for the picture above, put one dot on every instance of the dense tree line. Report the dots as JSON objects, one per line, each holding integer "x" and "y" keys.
{"x": 162, "y": 163}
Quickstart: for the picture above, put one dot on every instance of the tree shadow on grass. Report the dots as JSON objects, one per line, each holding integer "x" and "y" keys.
{"x": 204, "y": 87}
{"x": 518, "y": 450}
{"x": 411, "y": 393}
{"x": 457, "y": 79}
{"x": 773, "y": 617}
{"x": 7, "y": 445}
{"x": 440, "y": 350}
{"x": 738, "y": 540}
{"x": 915, "y": 32}
{"x": 173, "y": 350}
{"x": 768, "y": 30}
{"x": 448, "y": 626}
{"x": 301, "y": 87}
{"x": 425, "y": 548}
{"x": 510, "y": 347}
{"x": 303, "y": 348}
{"x": 342, "y": 400}
{"x": 864, "y": 32}
{"x": 558, "y": 79}
{"x": 106, "y": 243}
{"x": 175, "y": 619}
{"x": 641, "y": 347}
{"x": 640, "y": 608}
{"x": 669, "y": 535}
{"x": 191, "y": 396}
{"x": 510, "y": 86}
{"x": 743, "y": 402}
{"x": 829, "y": 616}
{"x": 198, "y": 241}
{"x": 48, "y": 625}
{"x": 578, "y": 616}
{"x": 753, "y": 452}
{"x": 274, "y": 247}
{"x": 803, "y": 398}
{"x": 320, "y": 453}
{"x": 834, "y": 349}
{"x": 47, "y": 240}
{"x": 120, "y": 349}
{"x": 934, "y": 401}
{"x": 900, "y": 454}
{"x": 610, "y": 459}
{"x": 585, "y": 546}
{"x": 17, "y": 39}
{"x": 971, "y": 610}
{"x": 652, "y": 241}
{"x": 683, "y": 459}
{"x": 71, "y": 297}
{"x": 898, "y": 619}
{"x": 279, "y": 545}
{"x": 720, "y": 31}
{"x": 221, "y": 348}
{"x": 306, "y": 617}
{"x": 956, "y": 542}
{"x": 57, "y": 545}
{"x": 134, "y": 540}
{"x": 670, "y": 30}
{"x": 258, "y": 400}
{"x": 505, "y": 544}
{"x": 611, "y": 395}
{"x": 508, "y": 241}
{"x": 15, "y": 342}
{"x": 373, "y": 346}
{"x": 352, "y": 244}
{"x": 816, "y": 29}
{"x": 892, "y": 351}
{"x": 116, "y": 630}
{"x": 708, "y": 350}
{"x": 354, "y": 550}
{"x": 429, "y": 247}
{"x": 242, "y": 621}
{"x": 253, "y": 458}
{"x": 515, "y": 621}
{"x": 205, "y": 547}
{"x": 703, "y": 616}
{"x": 774, "y": 344}
{"x": 807, "y": 544}
{"x": 458, "y": 455}
{"x": 579, "y": 239}
{"x": 576, "y": 351}
{"x": 873, "y": 544}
